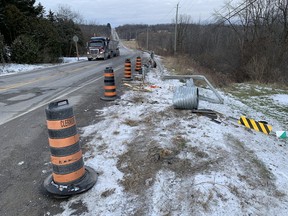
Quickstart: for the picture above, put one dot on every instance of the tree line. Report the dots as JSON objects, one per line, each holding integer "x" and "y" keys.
{"x": 29, "y": 35}
{"x": 248, "y": 42}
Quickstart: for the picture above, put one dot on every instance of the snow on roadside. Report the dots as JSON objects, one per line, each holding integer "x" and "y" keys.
{"x": 213, "y": 169}
{"x": 281, "y": 99}
{"x": 207, "y": 168}
{"x": 12, "y": 68}
{"x": 18, "y": 68}
{"x": 73, "y": 59}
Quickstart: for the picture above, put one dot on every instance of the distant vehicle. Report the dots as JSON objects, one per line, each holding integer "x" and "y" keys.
{"x": 102, "y": 48}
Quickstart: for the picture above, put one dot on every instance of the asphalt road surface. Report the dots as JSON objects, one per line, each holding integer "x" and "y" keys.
{"x": 24, "y": 148}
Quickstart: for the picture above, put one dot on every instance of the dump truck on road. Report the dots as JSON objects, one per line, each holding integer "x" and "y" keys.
{"x": 102, "y": 48}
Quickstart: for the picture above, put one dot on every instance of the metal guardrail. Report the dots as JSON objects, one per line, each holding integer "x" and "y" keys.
{"x": 202, "y": 78}
{"x": 194, "y": 77}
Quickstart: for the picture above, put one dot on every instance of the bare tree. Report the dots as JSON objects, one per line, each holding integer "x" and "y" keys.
{"x": 260, "y": 35}
{"x": 184, "y": 21}
{"x": 248, "y": 42}
{"x": 65, "y": 12}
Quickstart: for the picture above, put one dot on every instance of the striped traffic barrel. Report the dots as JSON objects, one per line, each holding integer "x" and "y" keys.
{"x": 127, "y": 70}
{"x": 109, "y": 85}
{"x": 69, "y": 175}
{"x": 138, "y": 66}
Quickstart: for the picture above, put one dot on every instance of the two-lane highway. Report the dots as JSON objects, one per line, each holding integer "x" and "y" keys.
{"x": 24, "y": 148}
{"x": 24, "y": 92}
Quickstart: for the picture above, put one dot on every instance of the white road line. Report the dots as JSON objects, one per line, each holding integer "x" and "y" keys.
{"x": 46, "y": 102}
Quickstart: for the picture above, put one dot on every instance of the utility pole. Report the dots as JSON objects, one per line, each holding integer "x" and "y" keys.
{"x": 147, "y": 38}
{"x": 175, "y": 39}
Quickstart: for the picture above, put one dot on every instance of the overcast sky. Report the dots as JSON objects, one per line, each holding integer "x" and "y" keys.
{"x": 119, "y": 12}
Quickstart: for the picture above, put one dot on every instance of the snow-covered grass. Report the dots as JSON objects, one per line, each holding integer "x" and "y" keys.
{"x": 12, "y": 68}
{"x": 153, "y": 159}
{"x": 270, "y": 101}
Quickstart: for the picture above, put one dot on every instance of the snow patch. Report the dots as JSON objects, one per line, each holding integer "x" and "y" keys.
{"x": 281, "y": 99}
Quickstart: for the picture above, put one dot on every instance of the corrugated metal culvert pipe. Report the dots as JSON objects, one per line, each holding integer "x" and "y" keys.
{"x": 186, "y": 97}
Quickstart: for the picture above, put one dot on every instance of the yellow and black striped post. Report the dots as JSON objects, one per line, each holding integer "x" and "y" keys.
{"x": 256, "y": 125}
{"x": 127, "y": 71}
{"x": 69, "y": 175}
{"x": 138, "y": 65}
{"x": 109, "y": 85}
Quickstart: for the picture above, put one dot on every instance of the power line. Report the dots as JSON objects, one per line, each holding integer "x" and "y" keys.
{"x": 218, "y": 11}
{"x": 168, "y": 15}
{"x": 188, "y": 6}
{"x": 234, "y": 12}
{"x": 230, "y": 16}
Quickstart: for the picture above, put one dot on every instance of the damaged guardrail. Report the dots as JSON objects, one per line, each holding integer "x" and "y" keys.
{"x": 187, "y": 97}
{"x": 182, "y": 102}
{"x": 201, "y": 78}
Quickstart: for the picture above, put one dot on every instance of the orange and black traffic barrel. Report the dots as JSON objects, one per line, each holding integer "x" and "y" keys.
{"x": 69, "y": 175}
{"x": 138, "y": 65}
{"x": 109, "y": 85}
{"x": 127, "y": 71}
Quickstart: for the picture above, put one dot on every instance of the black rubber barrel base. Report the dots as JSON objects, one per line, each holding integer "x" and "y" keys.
{"x": 66, "y": 190}
{"x": 109, "y": 98}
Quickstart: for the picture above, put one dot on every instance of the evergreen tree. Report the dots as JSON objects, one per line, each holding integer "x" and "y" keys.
{"x": 25, "y": 50}
{"x": 2, "y": 53}
{"x": 14, "y": 16}
{"x": 66, "y": 30}
{"x": 25, "y": 6}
